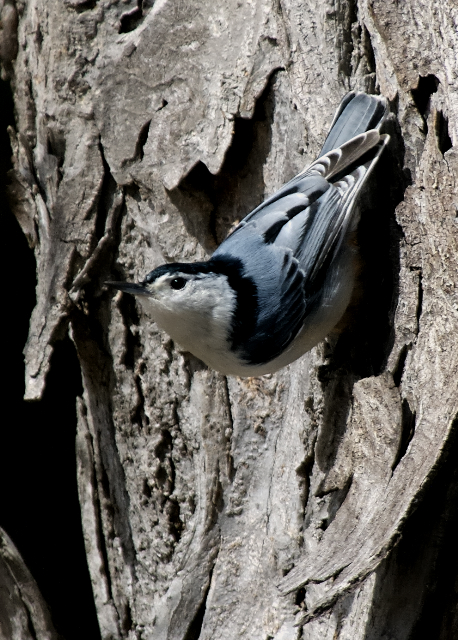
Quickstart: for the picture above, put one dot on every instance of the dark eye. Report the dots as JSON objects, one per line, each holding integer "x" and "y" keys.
{"x": 178, "y": 283}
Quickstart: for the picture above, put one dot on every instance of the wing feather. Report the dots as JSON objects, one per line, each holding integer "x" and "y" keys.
{"x": 289, "y": 242}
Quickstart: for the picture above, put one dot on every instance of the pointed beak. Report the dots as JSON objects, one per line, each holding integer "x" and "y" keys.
{"x": 129, "y": 287}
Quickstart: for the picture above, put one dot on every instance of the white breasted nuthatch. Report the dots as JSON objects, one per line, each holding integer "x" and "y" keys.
{"x": 283, "y": 278}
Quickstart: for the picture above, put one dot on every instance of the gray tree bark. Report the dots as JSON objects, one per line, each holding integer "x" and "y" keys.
{"x": 23, "y": 612}
{"x": 314, "y": 503}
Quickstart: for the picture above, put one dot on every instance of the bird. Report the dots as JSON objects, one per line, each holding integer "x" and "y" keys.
{"x": 283, "y": 278}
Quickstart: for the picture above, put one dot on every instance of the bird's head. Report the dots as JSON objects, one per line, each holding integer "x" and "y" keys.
{"x": 193, "y": 303}
{"x": 180, "y": 287}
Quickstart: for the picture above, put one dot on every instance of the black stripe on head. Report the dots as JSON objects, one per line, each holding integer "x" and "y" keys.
{"x": 192, "y": 268}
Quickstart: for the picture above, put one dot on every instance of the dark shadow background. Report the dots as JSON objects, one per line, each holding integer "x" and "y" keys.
{"x": 39, "y": 506}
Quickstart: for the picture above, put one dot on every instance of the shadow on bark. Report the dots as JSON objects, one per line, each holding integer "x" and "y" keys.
{"x": 37, "y": 442}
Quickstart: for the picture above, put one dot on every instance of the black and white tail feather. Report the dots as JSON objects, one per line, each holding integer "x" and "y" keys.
{"x": 285, "y": 275}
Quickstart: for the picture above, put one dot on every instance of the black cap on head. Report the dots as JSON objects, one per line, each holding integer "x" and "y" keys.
{"x": 193, "y": 268}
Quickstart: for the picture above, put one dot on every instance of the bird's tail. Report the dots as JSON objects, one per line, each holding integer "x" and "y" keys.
{"x": 357, "y": 113}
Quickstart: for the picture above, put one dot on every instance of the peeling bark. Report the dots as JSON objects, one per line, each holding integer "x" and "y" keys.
{"x": 280, "y": 507}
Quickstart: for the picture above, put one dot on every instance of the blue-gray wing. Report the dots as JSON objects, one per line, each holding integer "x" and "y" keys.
{"x": 287, "y": 244}
{"x": 286, "y": 250}
{"x": 271, "y": 305}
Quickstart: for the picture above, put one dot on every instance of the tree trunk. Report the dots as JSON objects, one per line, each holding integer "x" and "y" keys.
{"x": 315, "y": 503}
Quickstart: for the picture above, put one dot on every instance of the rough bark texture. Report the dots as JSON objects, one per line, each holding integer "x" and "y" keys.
{"x": 294, "y": 505}
{"x": 23, "y": 612}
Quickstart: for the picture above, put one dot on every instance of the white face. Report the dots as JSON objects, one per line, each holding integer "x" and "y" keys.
{"x": 195, "y": 310}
